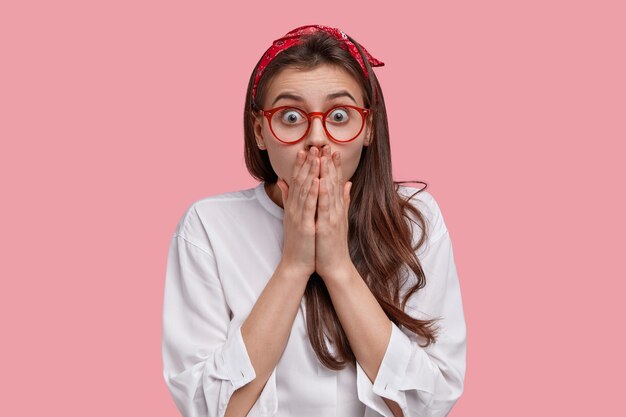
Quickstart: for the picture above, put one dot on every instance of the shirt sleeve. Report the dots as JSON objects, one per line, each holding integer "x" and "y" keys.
{"x": 204, "y": 356}
{"x": 425, "y": 382}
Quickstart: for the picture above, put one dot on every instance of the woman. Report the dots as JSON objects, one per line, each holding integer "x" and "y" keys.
{"x": 328, "y": 289}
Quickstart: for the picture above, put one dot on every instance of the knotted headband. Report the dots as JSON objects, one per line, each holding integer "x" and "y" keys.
{"x": 294, "y": 36}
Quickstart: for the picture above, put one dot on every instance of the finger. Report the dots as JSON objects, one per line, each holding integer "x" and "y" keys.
{"x": 307, "y": 183}
{"x": 324, "y": 164}
{"x": 318, "y": 165}
{"x": 301, "y": 167}
{"x": 284, "y": 189}
{"x": 323, "y": 201}
{"x": 302, "y": 182}
{"x": 346, "y": 196}
{"x": 338, "y": 184}
{"x": 339, "y": 167}
{"x": 300, "y": 160}
{"x": 298, "y": 166}
{"x": 329, "y": 184}
{"x": 311, "y": 202}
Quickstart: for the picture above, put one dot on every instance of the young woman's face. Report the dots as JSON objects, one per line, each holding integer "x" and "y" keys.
{"x": 313, "y": 87}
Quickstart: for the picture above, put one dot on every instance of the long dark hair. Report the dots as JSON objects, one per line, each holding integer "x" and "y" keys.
{"x": 380, "y": 237}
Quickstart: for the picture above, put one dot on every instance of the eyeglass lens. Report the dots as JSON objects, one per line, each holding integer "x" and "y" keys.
{"x": 342, "y": 123}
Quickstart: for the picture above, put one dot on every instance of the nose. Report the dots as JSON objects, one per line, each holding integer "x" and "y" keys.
{"x": 317, "y": 134}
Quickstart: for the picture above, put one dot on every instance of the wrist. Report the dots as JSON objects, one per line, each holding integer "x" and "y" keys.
{"x": 292, "y": 272}
{"x": 340, "y": 275}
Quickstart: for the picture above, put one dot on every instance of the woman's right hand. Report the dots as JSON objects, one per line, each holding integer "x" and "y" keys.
{"x": 300, "y": 206}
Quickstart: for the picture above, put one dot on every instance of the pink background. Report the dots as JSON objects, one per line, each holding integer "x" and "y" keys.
{"x": 116, "y": 115}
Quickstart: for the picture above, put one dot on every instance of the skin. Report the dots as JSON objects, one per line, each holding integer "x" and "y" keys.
{"x": 315, "y": 169}
{"x": 313, "y": 85}
{"x": 314, "y": 190}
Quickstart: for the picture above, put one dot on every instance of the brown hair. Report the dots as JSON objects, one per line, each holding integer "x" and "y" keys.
{"x": 377, "y": 211}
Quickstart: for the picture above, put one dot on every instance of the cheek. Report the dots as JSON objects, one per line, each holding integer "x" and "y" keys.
{"x": 283, "y": 163}
{"x": 350, "y": 160}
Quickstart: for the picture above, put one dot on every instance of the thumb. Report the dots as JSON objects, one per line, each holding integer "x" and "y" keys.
{"x": 346, "y": 193}
{"x": 284, "y": 188}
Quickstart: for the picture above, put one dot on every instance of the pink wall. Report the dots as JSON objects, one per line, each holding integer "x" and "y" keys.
{"x": 116, "y": 115}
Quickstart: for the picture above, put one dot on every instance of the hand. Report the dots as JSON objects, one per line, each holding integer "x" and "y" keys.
{"x": 300, "y": 203}
{"x": 332, "y": 253}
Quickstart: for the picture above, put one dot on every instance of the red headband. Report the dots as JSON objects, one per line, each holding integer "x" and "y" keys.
{"x": 293, "y": 38}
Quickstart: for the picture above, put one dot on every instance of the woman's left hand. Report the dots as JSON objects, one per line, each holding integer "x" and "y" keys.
{"x": 332, "y": 255}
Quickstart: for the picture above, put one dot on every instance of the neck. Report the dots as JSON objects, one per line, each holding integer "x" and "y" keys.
{"x": 274, "y": 193}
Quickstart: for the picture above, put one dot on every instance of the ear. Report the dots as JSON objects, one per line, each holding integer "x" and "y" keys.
{"x": 257, "y": 120}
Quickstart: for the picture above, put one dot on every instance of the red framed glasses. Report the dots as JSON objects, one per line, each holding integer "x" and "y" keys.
{"x": 342, "y": 123}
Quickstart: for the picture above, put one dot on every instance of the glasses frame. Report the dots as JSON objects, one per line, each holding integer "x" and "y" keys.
{"x": 269, "y": 113}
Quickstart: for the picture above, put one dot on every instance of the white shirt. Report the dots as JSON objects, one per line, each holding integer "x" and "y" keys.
{"x": 223, "y": 252}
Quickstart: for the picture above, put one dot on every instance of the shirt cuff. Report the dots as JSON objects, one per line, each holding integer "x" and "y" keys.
{"x": 236, "y": 361}
{"x": 392, "y": 379}
{"x": 234, "y": 364}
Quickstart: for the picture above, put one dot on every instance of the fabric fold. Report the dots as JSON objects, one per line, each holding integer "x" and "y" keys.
{"x": 424, "y": 381}
{"x": 204, "y": 355}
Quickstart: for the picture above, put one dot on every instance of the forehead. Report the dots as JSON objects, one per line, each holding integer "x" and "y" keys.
{"x": 314, "y": 85}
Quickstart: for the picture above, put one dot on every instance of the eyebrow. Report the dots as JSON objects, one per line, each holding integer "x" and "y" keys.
{"x": 342, "y": 93}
